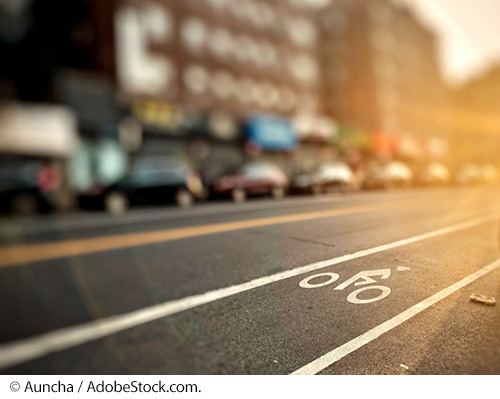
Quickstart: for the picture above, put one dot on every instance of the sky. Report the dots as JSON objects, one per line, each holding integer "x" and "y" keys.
{"x": 468, "y": 33}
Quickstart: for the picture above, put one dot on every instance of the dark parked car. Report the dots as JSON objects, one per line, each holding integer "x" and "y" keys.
{"x": 255, "y": 178}
{"x": 150, "y": 181}
{"x": 26, "y": 187}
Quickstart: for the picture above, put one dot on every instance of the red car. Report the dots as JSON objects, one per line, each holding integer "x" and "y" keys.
{"x": 255, "y": 178}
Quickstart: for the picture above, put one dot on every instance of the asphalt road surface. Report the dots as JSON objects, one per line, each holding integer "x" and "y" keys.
{"x": 365, "y": 283}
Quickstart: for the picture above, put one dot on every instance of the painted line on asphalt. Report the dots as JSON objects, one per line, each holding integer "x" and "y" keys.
{"x": 21, "y": 351}
{"x": 158, "y": 215}
{"x": 65, "y": 225}
{"x": 338, "y": 353}
{"x": 22, "y": 254}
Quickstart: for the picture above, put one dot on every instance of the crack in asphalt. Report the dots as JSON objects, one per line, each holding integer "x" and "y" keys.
{"x": 291, "y": 238}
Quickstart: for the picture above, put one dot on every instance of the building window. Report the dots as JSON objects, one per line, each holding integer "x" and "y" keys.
{"x": 303, "y": 68}
{"x": 268, "y": 55}
{"x": 301, "y": 32}
{"x": 243, "y": 43}
{"x": 245, "y": 91}
{"x": 159, "y": 21}
{"x": 221, "y": 43}
{"x": 195, "y": 79}
{"x": 193, "y": 34}
{"x": 222, "y": 84}
{"x": 241, "y": 9}
{"x": 218, "y": 5}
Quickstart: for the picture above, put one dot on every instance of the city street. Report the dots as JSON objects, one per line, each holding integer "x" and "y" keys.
{"x": 226, "y": 288}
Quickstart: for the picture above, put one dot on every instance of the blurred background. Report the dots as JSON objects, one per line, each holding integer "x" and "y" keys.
{"x": 105, "y": 103}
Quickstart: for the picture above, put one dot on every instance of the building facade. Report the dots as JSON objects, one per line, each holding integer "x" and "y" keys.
{"x": 476, "y": 119}
{"x": 381, "y": 73}
{"x": 218, "y": 69}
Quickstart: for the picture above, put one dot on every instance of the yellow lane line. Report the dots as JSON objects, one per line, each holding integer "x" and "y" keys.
{"x": 20, "y": 254}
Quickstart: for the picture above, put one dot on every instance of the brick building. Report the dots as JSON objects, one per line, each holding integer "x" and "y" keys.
{"x": 217, "y": 64}
{"x": 380, "y": 70}
{"x": 475, "y": 118}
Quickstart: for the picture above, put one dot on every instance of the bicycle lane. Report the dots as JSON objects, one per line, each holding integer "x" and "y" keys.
{"x": 280, "y": 327}
{"x": 49, "y": 295}
{"x": 458, "y": 336}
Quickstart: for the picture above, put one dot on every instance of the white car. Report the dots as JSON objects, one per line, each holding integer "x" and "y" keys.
{"x": 392, "y": 175}
{"x": 330, "y": 175}
{"x": 468, "y": 174}
{"x": 488, "y": 173}
{"x": 334, "y": 175}
{"x": 435, "y": 173}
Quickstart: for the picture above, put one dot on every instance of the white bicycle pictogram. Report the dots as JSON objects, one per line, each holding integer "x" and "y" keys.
{"x": 363, "y": 279}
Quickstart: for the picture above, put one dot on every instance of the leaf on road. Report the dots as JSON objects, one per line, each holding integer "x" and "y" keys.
{"x": 486, "y": 300}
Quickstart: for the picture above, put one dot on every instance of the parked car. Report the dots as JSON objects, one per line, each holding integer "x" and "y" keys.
{"x": 304, "y": 183}
{"x": 330, "y": 175}
{"x": 434, "y": 174}
{"x": 151, "y": 180}
{"x": 394, "y": 174}
{"x": 26, "y": 187}
{"x": 476, "y": 174}
{"x": 468, "y": 174}
{"x": 335, "y": 175}
{"x": 254, "y": 178}
{"x": 489, "y": 173}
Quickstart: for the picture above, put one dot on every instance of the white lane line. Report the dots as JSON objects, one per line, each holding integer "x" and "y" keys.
{"x": 27, "y": 349}
{"x": 335, "y": 355}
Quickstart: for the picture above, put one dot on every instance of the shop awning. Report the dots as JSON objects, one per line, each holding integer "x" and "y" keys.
{"x": 272, "y": 133}
{"x": 37, "y": 130}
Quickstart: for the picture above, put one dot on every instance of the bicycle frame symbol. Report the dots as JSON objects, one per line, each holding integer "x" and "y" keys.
{"x": 361, "y": 279}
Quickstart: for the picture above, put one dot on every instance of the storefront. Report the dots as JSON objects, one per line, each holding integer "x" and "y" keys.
{"x": 99, "y": 161}
{"x": 318, "y": 138}
{"x": 162, "y": 130}
{"x": 384, "y": 145}
{"x": 211, "y": 143}
{"x": 272, "y": 139}
{"x": 45, "y": 135}
{"x": 100, "y": 158}
{"x": 215, "y": 144}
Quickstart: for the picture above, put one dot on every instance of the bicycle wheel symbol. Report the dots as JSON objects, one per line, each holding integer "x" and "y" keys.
{"x": 306, "y": 283}
{"x": 353, "y": 296}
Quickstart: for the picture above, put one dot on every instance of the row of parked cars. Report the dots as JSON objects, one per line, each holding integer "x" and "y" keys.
{"x": 164, "y": 180}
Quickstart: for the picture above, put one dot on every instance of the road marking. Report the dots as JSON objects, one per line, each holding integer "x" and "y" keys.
{"x": 66, "y": 224}
{"x": 24, "y": 350}
{"x": 21, "y": 254}
{"x": 353, "y": 296}
{"x": 307, "y": 284}
{"x": 158, "y": 215}
{"x": 335, "y": 355}
{"x": 365, "y": 276}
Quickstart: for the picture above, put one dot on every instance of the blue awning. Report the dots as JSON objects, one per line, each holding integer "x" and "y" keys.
{"x": 271, "y": 133}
